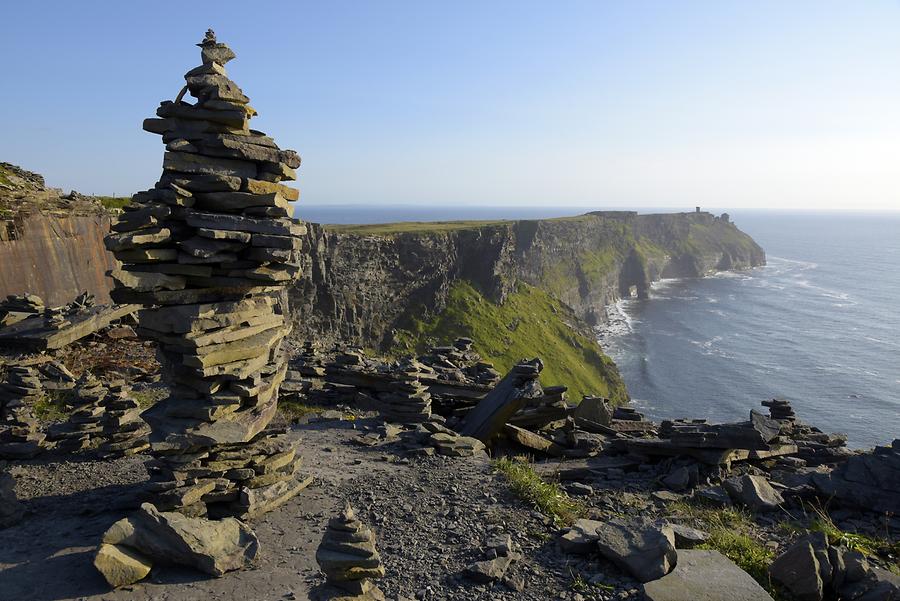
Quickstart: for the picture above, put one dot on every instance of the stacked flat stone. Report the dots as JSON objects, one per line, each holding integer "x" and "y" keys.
{"x": 56, "y": 376}
{"x": 813, "y": 446}
{"x": 460, "y": 362}
{"x": 309, "y": 362}
{"x": 23, "y": 303}
{"x": 781, "y": 410}
{"x": 123, "y": 430}
{"x": 20, "y": 434}
{"x": 211, "y": 247}
{"x": 348, "y": 557}
{"x": 84, "y": 423}
{"x": 407, "y": 401}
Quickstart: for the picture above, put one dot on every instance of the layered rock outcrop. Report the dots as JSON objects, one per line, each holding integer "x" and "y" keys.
{"x": 363, "y": 282}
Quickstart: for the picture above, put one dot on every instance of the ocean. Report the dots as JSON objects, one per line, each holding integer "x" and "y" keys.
{"x": 819, "y": 325}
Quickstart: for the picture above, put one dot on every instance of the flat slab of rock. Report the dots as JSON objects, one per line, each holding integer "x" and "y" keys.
{"x": 644, "y": 549}
{"x": 705, "y": 576}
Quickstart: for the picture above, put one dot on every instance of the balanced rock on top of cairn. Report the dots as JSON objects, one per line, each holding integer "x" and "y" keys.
{"x": 211, "y": 248}
{"x": 348, "y": 557}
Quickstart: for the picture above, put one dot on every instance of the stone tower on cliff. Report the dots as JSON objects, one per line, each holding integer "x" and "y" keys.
{"x": 208, "y": 251}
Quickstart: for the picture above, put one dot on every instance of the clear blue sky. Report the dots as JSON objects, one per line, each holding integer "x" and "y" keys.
{"x": 631, "y": 103}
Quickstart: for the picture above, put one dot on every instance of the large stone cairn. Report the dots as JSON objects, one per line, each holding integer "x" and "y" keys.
{"x": 348, "y": 557}
{"x": 210, "y": 250}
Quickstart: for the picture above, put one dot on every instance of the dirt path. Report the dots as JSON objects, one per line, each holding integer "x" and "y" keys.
{"x": 430, "y": 517}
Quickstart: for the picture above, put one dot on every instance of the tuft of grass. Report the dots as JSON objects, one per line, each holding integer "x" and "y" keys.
{"x": 294, "y": 410}
{"x": 748, "y": 553}
{"x": 866, "y": 545}
{"x": 546, "y": 497}
{"x": 51, "y": 407}
{"x": 731, "y": 533}
{"x": 113, "y": 202}
{"x": 542, "y": 328}
{"x": 148, "y": 397}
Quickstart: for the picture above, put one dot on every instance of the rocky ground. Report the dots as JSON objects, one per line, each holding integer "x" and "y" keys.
{"x": 431, "y": 517}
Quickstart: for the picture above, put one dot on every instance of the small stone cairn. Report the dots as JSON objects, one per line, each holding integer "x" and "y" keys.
{"x": 124, "y": 432}
{"x": 211, "y": 248}
{"x": 407, "y": 401}
{"x": 348, "y": 557}
{"x": 20, "y": 433}
{"x": 18, "y": 307}
{"x": 814, "y": 447}
{"x": 83, "y": 425}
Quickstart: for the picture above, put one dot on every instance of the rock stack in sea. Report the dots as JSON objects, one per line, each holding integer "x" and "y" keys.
{"x": 20, "y": 434}
{"x": 348, "y": 557}
{"x": 407, "y": 401}
{"x": 211, "y": 248}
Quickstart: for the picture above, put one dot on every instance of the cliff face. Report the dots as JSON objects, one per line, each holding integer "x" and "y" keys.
{"x": 56, "y": 257}
{"x": 364, "y": 283}
{"x": 50, "y": 245}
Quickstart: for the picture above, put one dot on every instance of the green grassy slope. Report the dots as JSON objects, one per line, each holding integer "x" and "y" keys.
{"x": 529, "y": 323}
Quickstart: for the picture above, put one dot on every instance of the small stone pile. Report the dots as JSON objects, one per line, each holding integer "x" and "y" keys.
{"x": 814, "y": 447}
{"x": 460, "y": 362}
{"x": 306, "y": 373}
{"x": 211, "y": 247}
{"x": 123, "y": 430}
{"x": 84, "y": 423}
{"x": 309, "y": 362}
{"x": 407, "y": 401}
{"x": 20, "y": 434}
{"x": 17, "y": 307}
{"x": 56, "y": 376}
{"x": 781, "y": 410}
{"x": 348, "y": 557}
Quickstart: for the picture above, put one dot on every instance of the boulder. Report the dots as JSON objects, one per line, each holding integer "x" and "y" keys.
{"x": 798, "y": 570}
{"x": 594, "y": 409}
{"x": 213, "y": 547}
{"x": 753, "y": 491}
{"x": 644, "y": 549}
{"x": 705, "y": 576}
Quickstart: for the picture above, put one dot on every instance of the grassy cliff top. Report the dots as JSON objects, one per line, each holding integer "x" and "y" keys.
{"x": 529, "y": 323}
{"x": 401, "y": 227}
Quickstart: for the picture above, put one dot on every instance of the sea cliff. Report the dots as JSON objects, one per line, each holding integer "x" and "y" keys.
{"x": 402, "y": 286}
